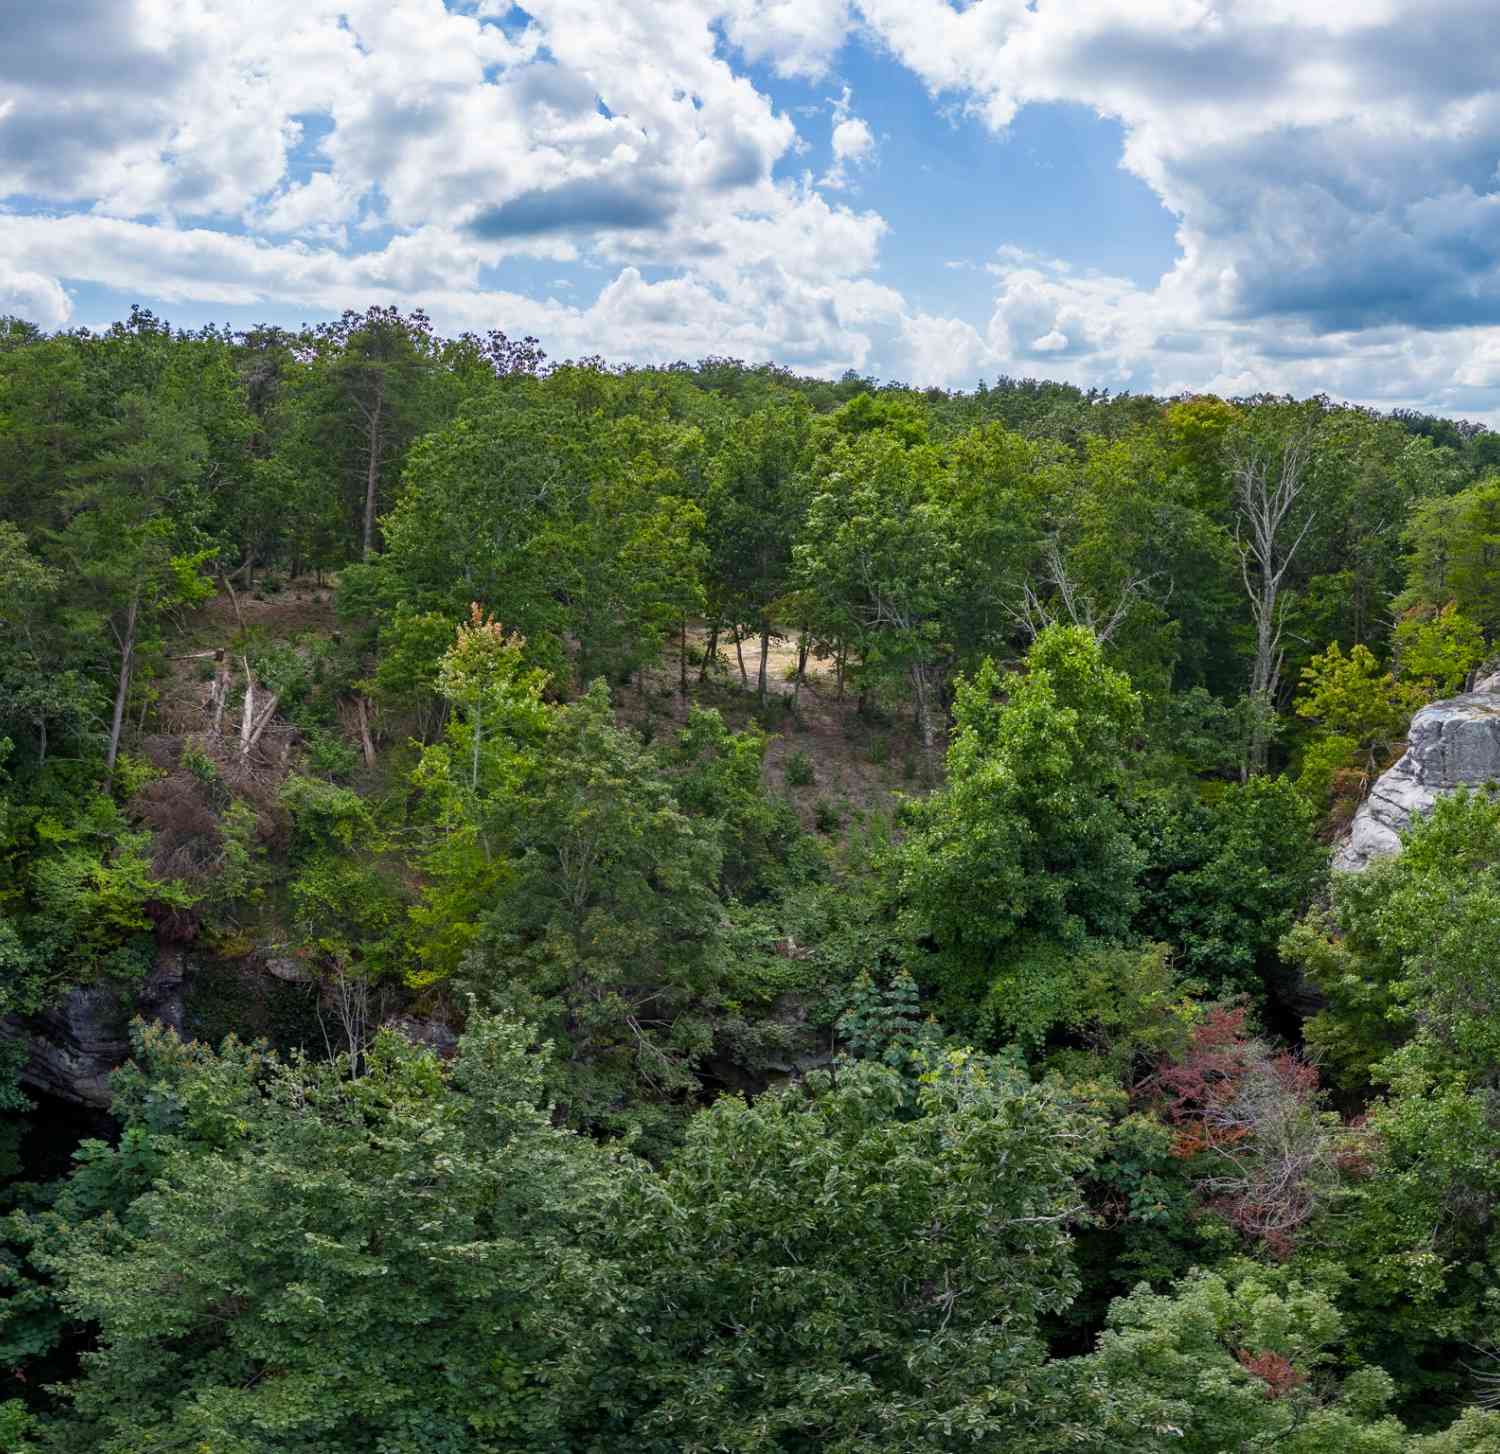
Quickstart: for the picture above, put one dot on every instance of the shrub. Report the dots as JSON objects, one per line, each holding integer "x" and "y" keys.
{"x": 196, "y": 761}
{"x": 1438, "y": 647}
{"x": 1326, "y": 768}
{"x": 330, "y": 756}
{"x": 797, "y": 771}
{"x": 827, "y": 817}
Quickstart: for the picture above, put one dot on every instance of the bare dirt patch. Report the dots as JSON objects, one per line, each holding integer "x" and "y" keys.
{"x": 862, "y": 763}
{"x": 298, "y": 607}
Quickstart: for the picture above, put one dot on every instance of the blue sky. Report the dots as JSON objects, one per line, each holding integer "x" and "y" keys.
{"x": 1152, "y": 194}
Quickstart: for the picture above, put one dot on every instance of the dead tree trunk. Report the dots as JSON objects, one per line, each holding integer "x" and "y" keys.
{"x": 253, "y": 720}
{"x": 366, "y": 742}
{"x": 247, "y": 708}
{"x": 126, "y": 639}
{"x": 1272, "y": 521}
{"x": 219, "y": 693}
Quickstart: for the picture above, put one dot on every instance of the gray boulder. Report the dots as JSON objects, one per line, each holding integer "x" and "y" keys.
{"x": 432, "y": 1035}
{"x": 1451, "y": 744}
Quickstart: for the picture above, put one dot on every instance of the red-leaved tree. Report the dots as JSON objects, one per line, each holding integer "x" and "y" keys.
{"x": 1249, "y": 1115}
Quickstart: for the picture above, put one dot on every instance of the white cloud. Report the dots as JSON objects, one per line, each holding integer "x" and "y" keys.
{"x": 759, "y": 311}
{"x": 799, "y": 37}
{"x": 34, "y": 296}
{"x": 851, "y": 141}
{"x": 943, "y": 350}
{"x": 214, "y": 152}
{"x": 192, "y": 110}
{"x": 1333, "y": 170}
{"x": 1054, "y": 322}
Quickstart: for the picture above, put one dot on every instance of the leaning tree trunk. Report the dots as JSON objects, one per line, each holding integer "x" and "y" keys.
{"x": 122, "y": 686}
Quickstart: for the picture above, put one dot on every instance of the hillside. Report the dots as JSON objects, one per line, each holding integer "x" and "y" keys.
{"x": 555, "y": 1029}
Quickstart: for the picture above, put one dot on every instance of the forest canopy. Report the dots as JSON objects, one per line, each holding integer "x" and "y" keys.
{"x": 700, "y": 908}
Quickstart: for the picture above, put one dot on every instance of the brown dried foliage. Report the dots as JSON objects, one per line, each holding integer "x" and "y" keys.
{"x": 1275, "y": 1368}
{"x": 1249, "y": 1114}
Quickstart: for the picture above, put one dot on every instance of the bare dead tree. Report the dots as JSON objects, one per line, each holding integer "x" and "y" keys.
{"x": 1486, "y": 1379}
{"x": 1277, "y": 1155}
{"x": 218, "y": 695}
{"x": 254, "y": 720}
{"x": 355, "y": 1009}
{"x": 1057, "y": 597}
{"x": 1272, "y": 518}
{"x": 1250, "y": 1118}
{"x": 366, "y": 742}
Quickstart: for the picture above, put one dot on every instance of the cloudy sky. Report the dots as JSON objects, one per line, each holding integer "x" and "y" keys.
{"x": 1148, "y": 194}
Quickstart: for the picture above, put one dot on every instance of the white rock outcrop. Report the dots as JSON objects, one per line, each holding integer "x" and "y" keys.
{"x": 1451, "y": 744}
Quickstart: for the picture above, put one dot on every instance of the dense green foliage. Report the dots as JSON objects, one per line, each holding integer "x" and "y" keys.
{"x": 793, "y": 915}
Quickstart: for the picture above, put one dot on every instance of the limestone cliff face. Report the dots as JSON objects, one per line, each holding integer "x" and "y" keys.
{"x": 73, "y": 1047}
{"x": 1451, "y": 744}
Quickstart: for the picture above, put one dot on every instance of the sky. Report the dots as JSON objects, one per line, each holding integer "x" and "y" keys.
{"x": 1152, "y": 195}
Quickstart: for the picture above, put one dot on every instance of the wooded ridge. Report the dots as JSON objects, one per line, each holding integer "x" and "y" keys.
{"x": 701, "y": 909}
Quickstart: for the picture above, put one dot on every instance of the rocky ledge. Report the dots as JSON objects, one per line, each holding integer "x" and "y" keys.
{"x": 76, "y": 1045}
{"x": 1451, "y": 744}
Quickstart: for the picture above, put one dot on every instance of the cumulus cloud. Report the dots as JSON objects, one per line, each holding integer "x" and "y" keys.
{"x": 851, "y": 142}
{"x": 798, "y": 37}
{"x": 943, "y": 351}
{"x": 1051, "y": 321}
{"x": 193, "y": 111}
{"x": 587, "y": 205}
{"x": 1332, "y": 169}
{"x": 760, "y": 310}
{"x": 321, "y": 153}
{"x": 34, "y": 296}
